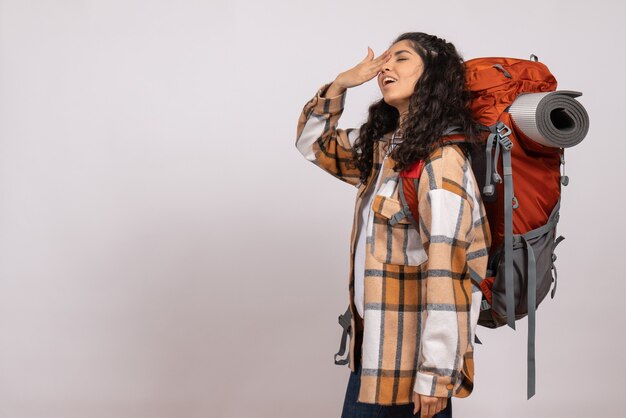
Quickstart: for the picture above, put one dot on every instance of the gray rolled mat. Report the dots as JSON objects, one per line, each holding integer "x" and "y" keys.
{"x": 554, "y": 119}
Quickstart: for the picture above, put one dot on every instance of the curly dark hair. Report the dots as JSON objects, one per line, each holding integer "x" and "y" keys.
{"x": 440, "y": 100}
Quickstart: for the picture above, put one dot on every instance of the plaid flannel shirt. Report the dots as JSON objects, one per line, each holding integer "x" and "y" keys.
{"x": 421, "y": 308}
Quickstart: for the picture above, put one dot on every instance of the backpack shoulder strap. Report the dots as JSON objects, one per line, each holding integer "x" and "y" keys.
{"x": 453, "y": 129}
{"x": 408, "y": 180}
{"x": 408, "y": 186}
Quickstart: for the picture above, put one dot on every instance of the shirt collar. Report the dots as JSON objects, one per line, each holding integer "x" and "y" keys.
{"x": 389, "y": 141}
{"x": 394, "y": 137}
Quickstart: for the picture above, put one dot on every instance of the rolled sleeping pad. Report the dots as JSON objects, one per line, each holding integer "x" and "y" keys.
{"x": 554, "y": 119}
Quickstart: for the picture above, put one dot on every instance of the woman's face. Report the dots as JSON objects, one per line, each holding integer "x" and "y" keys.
{"x": 405, "y": 67}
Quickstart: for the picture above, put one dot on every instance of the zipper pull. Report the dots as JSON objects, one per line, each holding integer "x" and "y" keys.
{"x": 564, "y": 178}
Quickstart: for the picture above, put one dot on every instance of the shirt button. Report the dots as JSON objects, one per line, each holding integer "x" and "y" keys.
{"x": 449, "y": 386}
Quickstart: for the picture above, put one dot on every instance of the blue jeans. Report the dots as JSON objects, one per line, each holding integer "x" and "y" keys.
{"x": 354, "y": 409}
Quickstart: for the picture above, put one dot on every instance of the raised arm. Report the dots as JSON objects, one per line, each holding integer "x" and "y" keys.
{"x": 318, "y": 138}
{"x": 321, "y": 142}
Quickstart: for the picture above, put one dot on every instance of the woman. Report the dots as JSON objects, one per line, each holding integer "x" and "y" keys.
{"x": 414, "y": 307}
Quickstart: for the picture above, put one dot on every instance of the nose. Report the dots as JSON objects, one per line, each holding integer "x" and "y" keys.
{"x": 387, "y": 66}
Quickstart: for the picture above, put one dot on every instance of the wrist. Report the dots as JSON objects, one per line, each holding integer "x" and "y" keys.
{"x": 329, "y": 101}
{"x": 335, "y": 89}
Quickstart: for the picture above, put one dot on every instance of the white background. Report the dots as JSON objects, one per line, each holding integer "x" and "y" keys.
{"x": 165, "y": 251}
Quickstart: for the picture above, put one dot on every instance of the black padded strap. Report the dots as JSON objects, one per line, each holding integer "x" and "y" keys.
{"x": 345, "y": 321}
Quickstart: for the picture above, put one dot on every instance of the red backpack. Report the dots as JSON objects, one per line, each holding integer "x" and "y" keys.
{"x": 520, "y": 182}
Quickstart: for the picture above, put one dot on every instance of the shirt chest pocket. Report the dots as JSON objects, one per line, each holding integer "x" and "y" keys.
{"x": 394, "y": 239}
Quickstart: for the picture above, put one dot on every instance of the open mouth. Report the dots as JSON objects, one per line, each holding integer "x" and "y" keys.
{"x": 388, "y": 80}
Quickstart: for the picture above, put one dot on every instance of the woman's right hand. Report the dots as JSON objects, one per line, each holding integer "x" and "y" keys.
{"x": 364, "y": 71}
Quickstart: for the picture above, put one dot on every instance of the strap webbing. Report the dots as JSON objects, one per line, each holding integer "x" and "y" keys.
{"x": 405, "y": 205}
{"x": 508, "y": 231}
{"x": 556, "y": 242}
{"x": 452, "y": 129}
{"x": 496, "y": 154}
{"x": 345, "y": 322}
{"x": 552, "y": 221}
{"x": 531, "y": 267}
{"x": 489, "y": 189}
{"x": 475, "y": 277}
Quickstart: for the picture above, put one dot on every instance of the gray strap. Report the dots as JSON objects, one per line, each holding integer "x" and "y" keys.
{"x": 477, "y": 278}
{"x": 501, "y": 68}
{"x": 401, "y": 214}
{"x": 532, "y": 298}
{"x": 345, "y": 322}
{"x": 556, "y": 275}
{"x": 496, "y": 176}
{"x": 489, "y": 189}
{"x": 405, "y": 205}
{"x": 508, "y": 228}
{"x": 451, "y": 129}
{"x": 564, "y": 178}
{"x": 556, "y": 242}
{"x": 542, "y": 230}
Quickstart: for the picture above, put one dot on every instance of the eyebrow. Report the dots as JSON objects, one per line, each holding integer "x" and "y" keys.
{"x": 401, "y": 51}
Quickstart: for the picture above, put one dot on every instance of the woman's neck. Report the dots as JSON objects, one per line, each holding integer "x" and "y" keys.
{"x": 401, "y": 125}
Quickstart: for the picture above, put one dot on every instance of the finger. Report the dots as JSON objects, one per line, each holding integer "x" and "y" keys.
{"x": 371, "y": 72}
{"x": 369, "y": 56}
{"x": 374, "y": 70}
{"x": 439, "y": 405}
{"x": 416, "y": 402}
{"x": 375, "y": 65}
{"x": 433, "y": 406}
{"x": 425, "y": 410}
{"x": 382, "y": 57}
